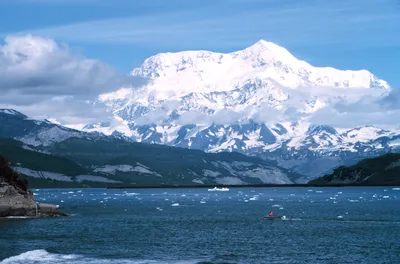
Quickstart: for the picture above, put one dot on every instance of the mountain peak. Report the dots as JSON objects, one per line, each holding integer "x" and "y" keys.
{"x": 269, "y": 51}
{"x": 266, "y": 45}
{"x": 12, "y": 112}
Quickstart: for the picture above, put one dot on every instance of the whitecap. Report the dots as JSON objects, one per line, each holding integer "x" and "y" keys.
{"x": 42, "y": 256}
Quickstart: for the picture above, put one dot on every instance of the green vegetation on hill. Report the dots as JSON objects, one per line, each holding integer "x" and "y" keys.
{"x": 176, "y": 165}
{"x": 85, "y": 162}
{"x": 382, "y": 170}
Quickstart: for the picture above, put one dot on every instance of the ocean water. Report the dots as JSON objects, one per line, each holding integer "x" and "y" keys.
{"x": 321, "y": 225}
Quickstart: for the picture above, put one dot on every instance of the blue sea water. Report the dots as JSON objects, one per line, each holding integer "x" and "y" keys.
{"x": 322, "y": 225}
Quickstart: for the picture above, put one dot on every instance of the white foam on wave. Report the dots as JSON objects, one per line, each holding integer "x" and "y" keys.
{"x": 42, "y": 256}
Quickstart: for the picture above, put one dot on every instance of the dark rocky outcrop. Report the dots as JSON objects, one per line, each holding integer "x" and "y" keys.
{"x": 15, "y": 197}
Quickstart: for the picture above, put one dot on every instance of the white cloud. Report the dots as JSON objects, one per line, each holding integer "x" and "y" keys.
{"x": 156, "y": 116}
{"x": 37, "y": 76}
{"x": 383, "y": 111}
{"x": 193, "y": 117}
{"x": 39, "y": 67}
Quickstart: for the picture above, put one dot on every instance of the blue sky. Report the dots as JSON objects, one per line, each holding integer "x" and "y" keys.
{"x": 345, "y": 34}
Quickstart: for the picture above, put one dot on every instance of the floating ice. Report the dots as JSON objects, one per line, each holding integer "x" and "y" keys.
{"x": 130, "y": 194}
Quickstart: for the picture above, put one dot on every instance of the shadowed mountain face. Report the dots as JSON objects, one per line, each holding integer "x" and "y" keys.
{"x": 383, "y": 170}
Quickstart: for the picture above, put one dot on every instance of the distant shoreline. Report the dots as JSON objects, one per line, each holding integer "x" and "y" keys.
{"x": 249, "y": 185}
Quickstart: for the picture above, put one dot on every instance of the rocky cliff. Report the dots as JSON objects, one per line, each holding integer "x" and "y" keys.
{"x": 15, "y": 197}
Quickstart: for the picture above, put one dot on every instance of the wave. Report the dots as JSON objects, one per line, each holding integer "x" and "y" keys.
{"x": 42, "y": 256}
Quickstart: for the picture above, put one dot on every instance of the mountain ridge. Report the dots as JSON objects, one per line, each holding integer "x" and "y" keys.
{"x": 77, "y": 158}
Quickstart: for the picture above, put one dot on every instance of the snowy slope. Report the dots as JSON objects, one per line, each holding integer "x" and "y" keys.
{"x": 193, "y": 86}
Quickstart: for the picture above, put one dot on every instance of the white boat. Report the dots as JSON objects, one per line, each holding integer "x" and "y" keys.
{"x": 215, "y": 189}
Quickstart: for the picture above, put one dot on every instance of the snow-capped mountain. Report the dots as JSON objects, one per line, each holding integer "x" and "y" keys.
{"x": 257, "y": 101}
{"x": 201, "y": 87}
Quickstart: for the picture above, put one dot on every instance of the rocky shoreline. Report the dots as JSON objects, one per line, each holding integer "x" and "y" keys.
{"x": 16, "y": 200}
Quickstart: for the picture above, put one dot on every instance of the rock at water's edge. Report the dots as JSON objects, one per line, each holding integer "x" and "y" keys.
{"x": 16, "y": 199}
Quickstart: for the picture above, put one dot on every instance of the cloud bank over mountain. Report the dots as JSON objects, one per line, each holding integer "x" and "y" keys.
{"x": 40, "y": 76}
